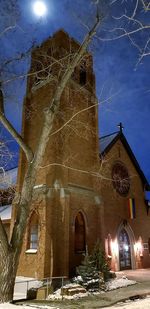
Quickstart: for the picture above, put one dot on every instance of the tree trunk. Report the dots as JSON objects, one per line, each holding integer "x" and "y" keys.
{"x": 7, "y": 278}
{"x": 10, "y": 250}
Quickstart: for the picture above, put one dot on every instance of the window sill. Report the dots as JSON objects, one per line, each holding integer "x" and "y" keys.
{"x": 80, "y": 252}
{"x": 31, "y": 251}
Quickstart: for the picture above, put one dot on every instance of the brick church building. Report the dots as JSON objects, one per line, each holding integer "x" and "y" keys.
{"x": 87, "y": 189}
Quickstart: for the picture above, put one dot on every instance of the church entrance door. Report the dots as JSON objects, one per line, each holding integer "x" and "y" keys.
{"x": 124, "y": 250}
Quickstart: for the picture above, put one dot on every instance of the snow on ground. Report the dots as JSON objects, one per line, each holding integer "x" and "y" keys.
{"x": 110, "y": 285}
{"x": 57, "y": 293}
{"x": 118, "y": 283}
{"x": 25, "y": 283}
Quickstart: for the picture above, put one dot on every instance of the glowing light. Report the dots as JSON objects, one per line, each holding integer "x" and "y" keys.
{"x": 39, "y": 8}
{"x": 115, "y": 247}
{"x": 126, "y": 248}
{"x": 135, "y": 247}
{"x": 138, "y": 247}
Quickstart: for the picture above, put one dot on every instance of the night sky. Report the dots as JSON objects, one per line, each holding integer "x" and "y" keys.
{"x": 122, "y": 81}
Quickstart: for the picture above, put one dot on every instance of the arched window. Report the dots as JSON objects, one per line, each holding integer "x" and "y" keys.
{"x": 33, "y": 232}
{"x": 124, "y": 250}
{"x": 80, "y": 243}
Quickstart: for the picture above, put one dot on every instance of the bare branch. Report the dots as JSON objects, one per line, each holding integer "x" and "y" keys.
{"x": 72, "y": 65}
{"x": 89, "y": 172}
{"x": 17, "y": 137}
{"x": 7, "y": 29}
{"x": 135, "y": 9}
{"x": 82, "y": 111}
{"x": 124, "y": 34}
{"x": 134, "y": 25}
{"x": 54, "y": 105}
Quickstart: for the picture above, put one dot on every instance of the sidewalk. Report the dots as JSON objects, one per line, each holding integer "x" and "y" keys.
{"x": 138, "y": 290}
{"x": 139, "y": 275}
{"x": 106, "y": 299}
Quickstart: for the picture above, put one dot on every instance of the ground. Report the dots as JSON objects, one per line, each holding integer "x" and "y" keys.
{"x": 138, "y": 304}
{"x": 135, "y": 296}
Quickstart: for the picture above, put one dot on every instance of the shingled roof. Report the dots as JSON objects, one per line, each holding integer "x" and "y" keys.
{"x": 106, "y": 143}
{"x": 5, "y": 212}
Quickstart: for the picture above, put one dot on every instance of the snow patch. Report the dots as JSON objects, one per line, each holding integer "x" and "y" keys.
{"x": 31, "y": 251}
{"x": 118, "y": 283}
{"x": 110, "y": 285}
{"x": 57, "y": 296}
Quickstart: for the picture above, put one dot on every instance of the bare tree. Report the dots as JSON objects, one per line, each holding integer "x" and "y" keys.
{"x": 130, "y": 19}
{"x": 10, "y": 249}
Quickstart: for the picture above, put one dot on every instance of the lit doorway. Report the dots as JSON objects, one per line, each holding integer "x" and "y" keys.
{"x": 124, "y": 250}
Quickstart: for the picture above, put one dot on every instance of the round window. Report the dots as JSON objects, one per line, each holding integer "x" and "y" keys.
{"x": 120, "y": 178}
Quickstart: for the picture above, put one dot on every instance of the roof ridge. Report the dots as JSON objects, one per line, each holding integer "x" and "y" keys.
{"x": 3, "y": 207}
{"x": 116, "y": 132}
{"x": 10, "y": 169}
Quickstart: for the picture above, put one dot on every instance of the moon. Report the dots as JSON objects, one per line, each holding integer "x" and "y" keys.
{"x": 39, "y": 8}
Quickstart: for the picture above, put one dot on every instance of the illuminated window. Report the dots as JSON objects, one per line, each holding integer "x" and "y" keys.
{"x": 80, "y": 242}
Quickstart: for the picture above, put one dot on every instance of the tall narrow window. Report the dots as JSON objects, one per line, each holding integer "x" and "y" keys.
{"x": 33, "y": 232}
{"x": 109, "y": 251}
{"x": 80, "y": 242}
{"x": 82, "y": 77}
{"x": 34, "y": 237}
{"x": 124, "y": 250}
{"x": 149, "y": 245}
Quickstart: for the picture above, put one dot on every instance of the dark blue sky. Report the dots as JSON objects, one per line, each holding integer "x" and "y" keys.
{"x": 119, "y": 76}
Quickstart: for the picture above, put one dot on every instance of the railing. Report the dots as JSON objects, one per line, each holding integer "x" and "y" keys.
{"x": 23, "y": 286}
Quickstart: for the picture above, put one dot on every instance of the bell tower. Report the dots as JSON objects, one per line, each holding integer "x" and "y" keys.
{"x": 65, "y": 177}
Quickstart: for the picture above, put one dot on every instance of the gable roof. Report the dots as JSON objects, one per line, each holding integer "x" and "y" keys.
{"x": 5, "y": 212}
{"x": 106, "y": 143}
{"x": 106, "y": 140}
{"x": 8, "y": 178}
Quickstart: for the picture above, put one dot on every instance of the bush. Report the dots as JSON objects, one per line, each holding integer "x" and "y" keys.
{"x": 100, "y": 261}
{"x": 94, "y": 270}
